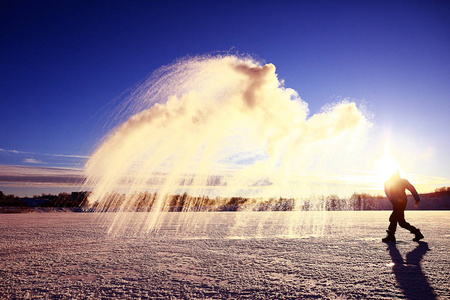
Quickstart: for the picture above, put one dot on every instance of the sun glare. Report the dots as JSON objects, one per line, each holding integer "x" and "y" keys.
{"x": 386, "y": 165}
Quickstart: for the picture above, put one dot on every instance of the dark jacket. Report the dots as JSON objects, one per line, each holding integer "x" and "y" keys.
{"x": 395, "y": 187}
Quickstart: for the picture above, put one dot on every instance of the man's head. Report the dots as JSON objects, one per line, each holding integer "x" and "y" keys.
{"x": 395, "y": 175}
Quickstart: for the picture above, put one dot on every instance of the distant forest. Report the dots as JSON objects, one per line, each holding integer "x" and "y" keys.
{"x": 78, "y": 201}
{"x": 63, "y": 200}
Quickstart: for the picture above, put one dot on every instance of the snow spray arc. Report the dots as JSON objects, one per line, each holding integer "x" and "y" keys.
{"x": 213, "y": 126}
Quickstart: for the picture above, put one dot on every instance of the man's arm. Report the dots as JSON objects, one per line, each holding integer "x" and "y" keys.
{"x": 413, "y": 191}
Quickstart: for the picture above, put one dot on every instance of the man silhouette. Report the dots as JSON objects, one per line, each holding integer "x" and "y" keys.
{"x": 394, "y": 188}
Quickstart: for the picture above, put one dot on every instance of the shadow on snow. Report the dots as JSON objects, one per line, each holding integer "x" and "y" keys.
{"x": 409, "y": 273}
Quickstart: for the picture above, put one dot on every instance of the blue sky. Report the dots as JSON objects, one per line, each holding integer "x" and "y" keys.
{"x": 63, "y": 64}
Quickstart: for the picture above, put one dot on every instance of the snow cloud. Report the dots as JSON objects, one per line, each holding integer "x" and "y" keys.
{"x": 223, "y": 116}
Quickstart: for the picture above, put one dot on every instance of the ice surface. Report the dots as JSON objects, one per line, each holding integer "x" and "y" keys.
{"x": 334, "y": 255}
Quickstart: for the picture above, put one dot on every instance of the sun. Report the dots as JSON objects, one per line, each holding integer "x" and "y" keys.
{"x": 386, "y": 165}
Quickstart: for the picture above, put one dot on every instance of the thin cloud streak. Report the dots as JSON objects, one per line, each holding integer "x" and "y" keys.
{"x": 21, "y": 176}
{"x": 44, "y": 154}
{"x": 32, "y": 161}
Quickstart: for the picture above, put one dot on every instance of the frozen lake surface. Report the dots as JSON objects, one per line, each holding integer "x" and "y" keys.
{"x": 258, "y": 255}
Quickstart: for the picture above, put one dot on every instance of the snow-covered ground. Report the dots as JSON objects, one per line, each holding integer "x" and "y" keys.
{"x": 258, "y": 255}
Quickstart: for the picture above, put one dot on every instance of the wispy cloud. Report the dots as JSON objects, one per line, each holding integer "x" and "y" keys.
{"x": 17, "y": 158}
{"x": 69, "y": 155}
{"x": 45, "y": 154}
{"x": 9, "y": 151}
{"x": 32, "y": 161}
{"x": 22, "y": 176}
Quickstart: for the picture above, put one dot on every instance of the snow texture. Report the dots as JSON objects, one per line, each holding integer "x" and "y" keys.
{"x": 334, "y": 255}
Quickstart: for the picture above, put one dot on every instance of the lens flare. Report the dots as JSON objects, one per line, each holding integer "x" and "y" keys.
{"x": 386, "y": 165}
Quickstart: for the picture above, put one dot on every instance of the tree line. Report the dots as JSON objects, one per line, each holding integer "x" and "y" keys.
{"x": 144, "y": 201}
{"x": 74, "y": 199}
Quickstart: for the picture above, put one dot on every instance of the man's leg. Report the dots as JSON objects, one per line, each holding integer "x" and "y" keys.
{"x": 393, "y": 219}
{"x": 402, "y": 222}
{"x": 391, "y": 229}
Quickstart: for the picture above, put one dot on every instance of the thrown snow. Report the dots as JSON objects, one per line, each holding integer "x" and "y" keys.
{"x": 334, "y": 255}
